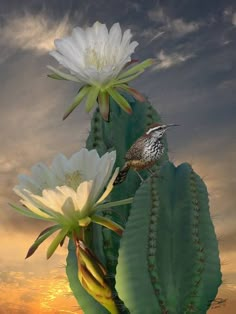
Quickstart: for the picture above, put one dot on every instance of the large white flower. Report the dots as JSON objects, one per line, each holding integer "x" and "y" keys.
{"x": 68, "y": 193}
{"x": 96, "y": 58}
{"x": 94, "y": 55}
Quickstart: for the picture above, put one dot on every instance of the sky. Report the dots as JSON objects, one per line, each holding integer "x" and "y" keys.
{"x": 193, "y": 84}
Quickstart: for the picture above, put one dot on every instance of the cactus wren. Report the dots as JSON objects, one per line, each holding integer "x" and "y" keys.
{"x": 144, "y": 153}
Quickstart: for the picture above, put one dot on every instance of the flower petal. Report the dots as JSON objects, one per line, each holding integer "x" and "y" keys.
{"x": 46, "y": 204}
{"x": 83, "y": 195}
{"x": 115, "y": 34}
{"x": 59, "y": 168}
{"x": 109, "y": 187}
{"x": 79, "y": 36}
{"x": 69, "y": 208}
{"x": 27, "y": 201}
{"x": 29, "y": 184}
{"x": 103, "y": 175}
{"x": 43, "y": 175}
{"x": 86, "y": 163}
{"x": 68, "y": 50}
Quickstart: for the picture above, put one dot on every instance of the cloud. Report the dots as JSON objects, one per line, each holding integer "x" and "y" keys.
{"x": 176, "y": 27}
{"x": 36, "y": 293}
{"x": 181, "y": 28}
{"x": 230, "y": 15}
{"x": 7, "y": 165}
{"x": 234, "y": 19}
{"x": 157, "y": 15}
{"x": 31, "y": 32}
{"x": 166, "y": 61}
{"x": 151, "y": 34}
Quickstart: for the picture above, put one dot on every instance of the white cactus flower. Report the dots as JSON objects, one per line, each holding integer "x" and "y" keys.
{"x": 69, "y": 193}
{"x": 96, "y": 58}
{"x": 94, "y": 55}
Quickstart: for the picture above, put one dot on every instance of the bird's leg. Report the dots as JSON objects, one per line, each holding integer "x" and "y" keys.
{"x": 155, "y": 173}
{"x": 140, "y": 177}
{"x": 150, "y": 171}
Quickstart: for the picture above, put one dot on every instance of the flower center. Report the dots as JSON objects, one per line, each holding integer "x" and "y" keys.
{"x": 73, "y": 180}
{"x": 99, "y": 59}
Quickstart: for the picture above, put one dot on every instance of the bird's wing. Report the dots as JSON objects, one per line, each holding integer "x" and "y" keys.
{"x": 135, "y": 151}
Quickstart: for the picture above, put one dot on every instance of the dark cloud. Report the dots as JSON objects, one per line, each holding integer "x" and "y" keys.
{"x": 195, "y": 9}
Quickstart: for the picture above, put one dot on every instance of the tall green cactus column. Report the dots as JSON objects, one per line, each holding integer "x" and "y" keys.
{"x": 168, "y": 258}
{"x": 117, "y": 134}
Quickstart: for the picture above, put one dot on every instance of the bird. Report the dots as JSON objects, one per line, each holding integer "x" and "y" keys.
{"x": 145, "y": 151}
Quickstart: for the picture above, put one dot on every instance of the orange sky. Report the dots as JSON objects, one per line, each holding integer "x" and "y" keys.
{"x": 37, "y": 285}
{"x": 33, "y": 286}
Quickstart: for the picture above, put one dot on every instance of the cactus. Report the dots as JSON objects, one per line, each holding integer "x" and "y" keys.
{"x": 168, "y": 261}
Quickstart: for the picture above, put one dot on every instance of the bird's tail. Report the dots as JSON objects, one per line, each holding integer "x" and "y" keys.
{"x": 122, "y": 174}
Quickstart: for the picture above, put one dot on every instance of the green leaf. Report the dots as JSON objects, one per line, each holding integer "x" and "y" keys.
{"x": 92, "y": 96}
{"x": 77, "y": 100}
{"x": 137, "y": 68}
{"x": 103, "y": 102}
{"x": 56, "y": 77}
{"x": 133, "y": 92}
{"x": 108, "y": 224}
{"x": 59, "y": 75}
{"x": 60, "y": 236}
{"x": 28, "y": 213}
{"x": 127, "y": 79}
{"x": 121, "y": 101}
{"x": 113, "y": 204}
{"x": 42, "y": 236}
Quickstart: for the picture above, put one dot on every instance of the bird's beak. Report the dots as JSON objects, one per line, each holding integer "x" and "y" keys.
{"x": 169, "y": 125}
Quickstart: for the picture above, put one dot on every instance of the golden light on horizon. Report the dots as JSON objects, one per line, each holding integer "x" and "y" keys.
{"x": 37, "y": 294}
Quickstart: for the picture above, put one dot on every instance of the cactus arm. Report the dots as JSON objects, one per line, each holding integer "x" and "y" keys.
{"x": 207, "y": 274}
{"x": 168, "y": 255}
{"x": 133, "y": 281}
